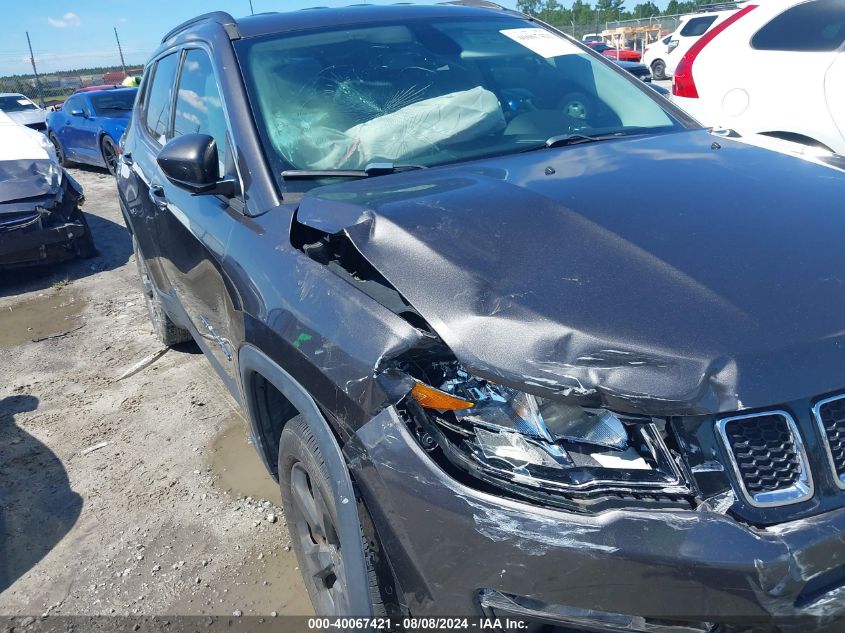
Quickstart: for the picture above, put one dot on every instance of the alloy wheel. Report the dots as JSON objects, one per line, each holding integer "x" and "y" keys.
{"x": 319, "y": 543}
{"x": 60, "y": 154}
{"x": 110, "y": 155}
{"x": 575, "y": 110}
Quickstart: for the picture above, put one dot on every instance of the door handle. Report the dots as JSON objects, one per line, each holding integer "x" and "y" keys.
{"x": 157, "y": 196}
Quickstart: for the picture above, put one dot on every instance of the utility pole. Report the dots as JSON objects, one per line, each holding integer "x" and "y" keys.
{"x": 120, "y": 50}
{"x": 35, "y": 71}
{"x": 251, "y": 11}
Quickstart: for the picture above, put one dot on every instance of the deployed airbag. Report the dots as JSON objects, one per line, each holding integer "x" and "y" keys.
{"x": 396, "y": 136}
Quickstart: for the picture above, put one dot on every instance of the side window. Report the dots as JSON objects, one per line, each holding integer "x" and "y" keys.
{"x": 74, "y": 103}
{"x": 815, "y": 26}
{"x": 697, "y": 27}
{"x": 160, "y": 96}
{"x": 199, "y": 109}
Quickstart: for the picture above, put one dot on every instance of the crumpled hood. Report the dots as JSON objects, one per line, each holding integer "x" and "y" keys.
{"x": 27, "y": 168}
{"x": 657, "y": 275}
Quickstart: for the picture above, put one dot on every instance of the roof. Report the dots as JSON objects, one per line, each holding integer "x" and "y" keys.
{"x": 318, "y": 17}
{"x": 108, "y": 89}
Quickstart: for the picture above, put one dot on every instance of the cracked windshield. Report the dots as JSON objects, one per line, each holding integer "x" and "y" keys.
{"x": 432, "y": 93}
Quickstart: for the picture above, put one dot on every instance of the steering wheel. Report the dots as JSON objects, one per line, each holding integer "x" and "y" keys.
{"x": 578, "y": 105}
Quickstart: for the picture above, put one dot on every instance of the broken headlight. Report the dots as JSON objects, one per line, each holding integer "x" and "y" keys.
{"x": 502, "y": 434}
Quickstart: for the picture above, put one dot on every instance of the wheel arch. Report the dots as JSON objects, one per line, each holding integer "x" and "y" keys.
{"x": 103, "y": 133}
{"x": 257, "y": 370}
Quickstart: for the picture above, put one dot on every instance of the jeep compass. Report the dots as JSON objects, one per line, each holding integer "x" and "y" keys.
{"x": 494, "y": 372}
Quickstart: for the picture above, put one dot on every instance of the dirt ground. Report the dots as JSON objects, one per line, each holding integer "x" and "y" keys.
{"x": 138, "y": 496}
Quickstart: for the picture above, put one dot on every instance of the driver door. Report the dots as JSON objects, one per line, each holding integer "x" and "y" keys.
{"x": 193, "y": 231}
{"x": 67, "y": 130}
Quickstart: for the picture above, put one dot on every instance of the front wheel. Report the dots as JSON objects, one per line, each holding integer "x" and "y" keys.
{"x": 85, "y": 244}
{"x": 109, "y": 151}
{"x": 658, "y": 69}
{"x": 60, "y": 151}
{"x": 167, "y": 332}
{"x": 311, "y": 511}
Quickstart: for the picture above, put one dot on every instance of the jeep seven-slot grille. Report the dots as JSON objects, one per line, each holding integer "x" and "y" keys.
{"x": 830, "y": 415}
{"x": 765, "y": 453}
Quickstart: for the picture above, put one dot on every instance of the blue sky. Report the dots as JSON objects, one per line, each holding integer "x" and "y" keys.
{"x": 67, "y": 34}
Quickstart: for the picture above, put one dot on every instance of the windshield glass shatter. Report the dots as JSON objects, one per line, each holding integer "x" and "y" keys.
{"x": 433, "y": 93}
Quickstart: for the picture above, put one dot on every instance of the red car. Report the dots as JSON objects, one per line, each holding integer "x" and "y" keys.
{"x": 616, "y": 53}
{"x": 100, "y": 87}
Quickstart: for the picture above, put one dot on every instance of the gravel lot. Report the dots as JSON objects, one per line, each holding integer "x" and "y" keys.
{"x": 138, "y": 496}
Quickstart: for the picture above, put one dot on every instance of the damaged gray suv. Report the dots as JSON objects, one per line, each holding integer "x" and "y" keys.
{"x": 492, "y": 371}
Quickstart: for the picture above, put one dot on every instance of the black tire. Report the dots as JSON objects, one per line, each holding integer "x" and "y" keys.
{"x": 60, "y": 151}
{"x": 311, "y": 513}
{"x": 109, "y": 151}
{"x": 658, "y": 69}
{"x": 167, "y": 332}
{"x": 85, "y": 244}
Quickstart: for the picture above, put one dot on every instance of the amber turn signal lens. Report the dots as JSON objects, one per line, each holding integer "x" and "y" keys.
{"x": 432, "y": 398}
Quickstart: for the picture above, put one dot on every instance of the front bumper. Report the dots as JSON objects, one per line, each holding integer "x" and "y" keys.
{"x": 48, "y": 229}
{"x": 452, "y": 547}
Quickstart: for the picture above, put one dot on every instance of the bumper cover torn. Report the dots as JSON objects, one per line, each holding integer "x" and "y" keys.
{"x": 701, "y": 567}
{"x": 40, "y": 218}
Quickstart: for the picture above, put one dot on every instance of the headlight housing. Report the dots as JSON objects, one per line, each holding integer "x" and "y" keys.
{"x": 509, "y": 437}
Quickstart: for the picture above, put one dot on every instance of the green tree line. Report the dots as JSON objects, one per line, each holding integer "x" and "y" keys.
{"x": 583, "y": 13}
{"x": 76, "y": 72}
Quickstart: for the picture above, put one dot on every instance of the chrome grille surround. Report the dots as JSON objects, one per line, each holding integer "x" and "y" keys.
{"x": 800, "y": 490}
{"x": 836, "y": 461}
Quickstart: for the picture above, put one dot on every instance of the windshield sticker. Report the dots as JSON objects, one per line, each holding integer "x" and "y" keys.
{"x": 23, "y": 102}
{"x": 543, "y": 42}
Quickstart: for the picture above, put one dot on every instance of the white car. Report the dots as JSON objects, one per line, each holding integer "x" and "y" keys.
{"x": 40, "y": 217}
{"x": 776, "y": 68}
{"x": 23, "y": 110}
{"x": 663, "y": 56}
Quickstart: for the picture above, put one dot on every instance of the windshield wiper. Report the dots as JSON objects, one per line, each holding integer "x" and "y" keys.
{"x": 373, "y": 169}
{"x": 562, "y": 140}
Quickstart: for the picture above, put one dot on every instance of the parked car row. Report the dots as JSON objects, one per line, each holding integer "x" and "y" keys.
{"x": 775, "y": 68}
{"x": 40, "y": 216}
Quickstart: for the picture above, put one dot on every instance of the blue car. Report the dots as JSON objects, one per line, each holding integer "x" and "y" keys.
{"x": 89, "y": 125}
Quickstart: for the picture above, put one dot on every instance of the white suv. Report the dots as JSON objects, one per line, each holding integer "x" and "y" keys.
{"x": 777, "y": 68}
{"x": 663, "y": 56}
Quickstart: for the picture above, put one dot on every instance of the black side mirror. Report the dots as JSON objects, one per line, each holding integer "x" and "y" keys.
{"x": 190, "y": 162}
